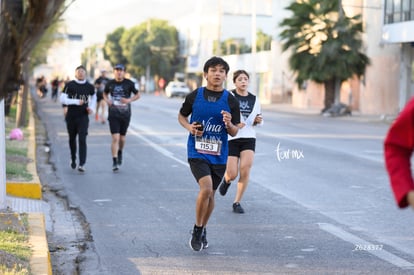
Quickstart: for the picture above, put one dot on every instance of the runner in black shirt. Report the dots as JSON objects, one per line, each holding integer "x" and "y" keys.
{"x": 117, "y": 95}
{"x": 79, "y": 97}
{"x": 100, "y": 83}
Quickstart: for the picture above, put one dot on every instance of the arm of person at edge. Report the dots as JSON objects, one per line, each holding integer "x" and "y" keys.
{"x": 398, "y": 148}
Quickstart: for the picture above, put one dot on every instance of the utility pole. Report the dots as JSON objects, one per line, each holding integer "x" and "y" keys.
{"x": 2, "y": 157}
{"x": 254, "y": 35}
{"x": 2, "y": 150}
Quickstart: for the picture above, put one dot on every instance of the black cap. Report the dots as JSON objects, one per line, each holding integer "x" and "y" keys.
{"x": 119, "y": 66}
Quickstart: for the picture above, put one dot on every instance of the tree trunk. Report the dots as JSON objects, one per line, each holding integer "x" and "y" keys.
{"x": 21, "y": 111}
{"x": 329, "y": 94}
{"x": 338, "y": 83}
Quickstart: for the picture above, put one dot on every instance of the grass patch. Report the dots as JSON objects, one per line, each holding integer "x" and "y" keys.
{"x": 16, "y": 152}
{"x": 14, "y": 243}
{"x": 15, "y": 251}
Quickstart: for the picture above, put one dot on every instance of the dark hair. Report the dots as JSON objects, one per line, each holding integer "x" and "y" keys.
{"x": 80, "y": 67}
{"x": 214, "y": 61}
{"x": 237, "y": 73}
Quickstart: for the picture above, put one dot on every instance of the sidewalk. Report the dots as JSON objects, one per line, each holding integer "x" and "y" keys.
{"x": 356, "y": 115}
{"x": 26, "y": 197}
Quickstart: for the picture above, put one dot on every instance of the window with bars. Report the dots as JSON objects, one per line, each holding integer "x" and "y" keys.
{"x": 398, "y": 11}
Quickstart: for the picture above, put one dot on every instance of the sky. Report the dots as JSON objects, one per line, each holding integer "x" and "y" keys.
{"x": 96, "y": 18}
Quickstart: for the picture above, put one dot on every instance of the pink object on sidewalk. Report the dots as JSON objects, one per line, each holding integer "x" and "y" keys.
{"x": 16, "y": 134}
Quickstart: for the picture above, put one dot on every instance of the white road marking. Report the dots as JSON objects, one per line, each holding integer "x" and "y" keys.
{"x": 382, "y": 254}
{"x": 158, "y": 148}
{"x": 103, "y": 200}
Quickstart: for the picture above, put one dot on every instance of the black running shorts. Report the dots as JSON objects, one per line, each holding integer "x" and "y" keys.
{"x": 118, "y": 125}
{"x": 241, "y": 144}
{"x": 201, "y": 168}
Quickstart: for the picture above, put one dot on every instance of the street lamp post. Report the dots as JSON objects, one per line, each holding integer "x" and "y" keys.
{"x": 220, "y": 14}
{"x": 2, "y": 151}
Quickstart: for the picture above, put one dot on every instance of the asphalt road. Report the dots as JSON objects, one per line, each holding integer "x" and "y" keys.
{"x": 318, "y": 202}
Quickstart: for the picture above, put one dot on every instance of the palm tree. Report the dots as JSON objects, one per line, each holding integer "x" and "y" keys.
{"x": 326, "y": 45}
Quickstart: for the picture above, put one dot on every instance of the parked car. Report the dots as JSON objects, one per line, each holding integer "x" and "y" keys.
{"x": 175, "y": 88}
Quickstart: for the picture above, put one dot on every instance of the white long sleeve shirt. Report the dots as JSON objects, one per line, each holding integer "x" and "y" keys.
{"x": 249, "y": 107}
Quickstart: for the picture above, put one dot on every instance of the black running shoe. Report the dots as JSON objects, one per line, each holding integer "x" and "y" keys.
{"x": 224, "y": 186}
{"x": 196, "y": 243}
{"x": 115, "y": 167}
{"x": 119, "y": 157}
{"x": 237, "y": 208}
{"x": 204, "y": 238}
{"x": 73, "y": 164}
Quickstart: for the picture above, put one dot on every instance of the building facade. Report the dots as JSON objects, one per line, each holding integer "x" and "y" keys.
{"x": 398, "y": 29}
{"x": 388, "y": 40}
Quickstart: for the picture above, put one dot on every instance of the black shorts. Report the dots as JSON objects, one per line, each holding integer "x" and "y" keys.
{"x": 241, "y": 144}
{"x": 118, "y": 125}
{"x": 99, "y": 96}
{"x": 201, "y": 168}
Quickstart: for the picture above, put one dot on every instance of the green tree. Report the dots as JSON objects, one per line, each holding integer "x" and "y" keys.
{"x": 151, "y": 47}
{"x": 139, "y": 54}
{"x": 112, "y": 48}
{"x": 326, "y": 45}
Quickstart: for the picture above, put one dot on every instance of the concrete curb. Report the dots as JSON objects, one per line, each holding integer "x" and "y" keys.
{"x": 40, "y": 262}
{"x": 32, "y": 189}
{"x": 40, "y": 259}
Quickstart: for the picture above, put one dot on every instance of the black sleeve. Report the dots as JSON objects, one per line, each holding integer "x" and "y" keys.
{"x": 65, "y": 88}
{"x": 92, "y": 89}
{"x": 106, "y": 89}
{"x": 132, "y": 89}
{"x": 234, "y": 109}
{"x": 187, "y": 107}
